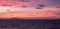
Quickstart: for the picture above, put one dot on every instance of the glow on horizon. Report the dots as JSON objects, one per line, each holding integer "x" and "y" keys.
{"x": 32, "y": 14}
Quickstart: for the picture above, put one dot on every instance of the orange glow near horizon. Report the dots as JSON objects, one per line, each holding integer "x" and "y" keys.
{"x": 33, "y": 14}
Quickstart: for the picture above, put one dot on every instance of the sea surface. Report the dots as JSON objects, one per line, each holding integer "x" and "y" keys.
{"x": 16, "y": 23}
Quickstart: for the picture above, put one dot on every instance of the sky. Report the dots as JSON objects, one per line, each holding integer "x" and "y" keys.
{"x": 30, "y": 11}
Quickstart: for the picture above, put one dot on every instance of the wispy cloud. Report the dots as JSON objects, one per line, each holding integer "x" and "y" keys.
{"x": 48, "y": 2}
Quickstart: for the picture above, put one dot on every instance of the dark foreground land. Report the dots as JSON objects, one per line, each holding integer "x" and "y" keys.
{"x": 15, "y": 23}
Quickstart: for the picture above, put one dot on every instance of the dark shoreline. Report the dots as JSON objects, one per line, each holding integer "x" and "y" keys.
{"x": 29, "y": 19}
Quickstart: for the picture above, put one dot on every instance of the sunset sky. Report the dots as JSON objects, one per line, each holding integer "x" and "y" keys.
{"x": 30, "y": 9}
